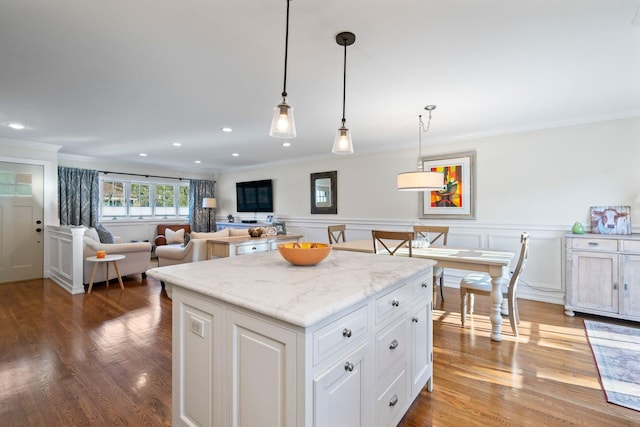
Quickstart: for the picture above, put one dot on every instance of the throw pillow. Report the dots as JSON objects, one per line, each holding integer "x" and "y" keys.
{"x": 104, "y": 234}
{"x": 174, "y": 236}
{"x": 92, "y": 234}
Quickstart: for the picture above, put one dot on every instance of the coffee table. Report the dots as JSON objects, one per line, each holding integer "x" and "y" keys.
{"x": 107, "y": 259}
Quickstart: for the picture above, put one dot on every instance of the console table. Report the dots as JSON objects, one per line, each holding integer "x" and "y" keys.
{"x": 240, "y": 225}
{"x": 223, "y": 247}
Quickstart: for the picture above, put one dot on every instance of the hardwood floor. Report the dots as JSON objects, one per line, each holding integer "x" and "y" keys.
{"x": 105, "y": 359}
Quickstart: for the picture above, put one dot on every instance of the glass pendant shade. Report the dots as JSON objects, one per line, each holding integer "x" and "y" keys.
{"x": 420, "y": 181}
{"x": 283, "y": 125}
{"x": 342, "y": 144}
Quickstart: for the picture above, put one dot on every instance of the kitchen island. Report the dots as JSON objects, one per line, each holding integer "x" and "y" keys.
{"x": 260, "y": 342}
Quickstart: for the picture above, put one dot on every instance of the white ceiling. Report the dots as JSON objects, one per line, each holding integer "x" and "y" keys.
{"x": 111, "y": 79}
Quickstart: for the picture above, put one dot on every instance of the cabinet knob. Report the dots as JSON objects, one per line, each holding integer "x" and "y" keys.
{"x": 346, "y": 333}
{"x": 348, "y": 366}
{"x": 253, "y": 248}
{"x": 393, "y": 345}
{"x": 425, "y": 285}
{"x": 414, "y": 319}
{"x": 394, "y": 400}
{"x": 395, "y": 302}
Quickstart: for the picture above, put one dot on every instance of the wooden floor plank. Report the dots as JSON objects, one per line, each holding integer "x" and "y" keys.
{"x": 105, "y": 359}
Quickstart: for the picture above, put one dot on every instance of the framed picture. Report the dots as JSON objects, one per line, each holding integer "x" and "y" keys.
{"x": 611, "y": 219}
{"x": 280, "y": 227}
{"x": 457, "y": 200}
{"x": 269, "y": 219}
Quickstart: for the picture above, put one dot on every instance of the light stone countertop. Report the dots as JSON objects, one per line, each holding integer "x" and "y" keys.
{"x": 268, "y": 284}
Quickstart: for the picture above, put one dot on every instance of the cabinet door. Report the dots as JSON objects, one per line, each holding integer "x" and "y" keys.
{"x": 630, "y": 286}
{"x": 421, "y": 348}
{"x": 594, "y": 281}
{"x": 197, "y": 355}
{"x": 340, "y": 393}
{"x": 261, "y": 369}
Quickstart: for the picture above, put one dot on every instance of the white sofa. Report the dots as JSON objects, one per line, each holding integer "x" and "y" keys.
{"x": 138, "y": 257}
{"x": 195, "y": 250}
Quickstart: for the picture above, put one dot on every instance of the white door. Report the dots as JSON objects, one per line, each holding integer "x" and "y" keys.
{"x": 21, "y": 221}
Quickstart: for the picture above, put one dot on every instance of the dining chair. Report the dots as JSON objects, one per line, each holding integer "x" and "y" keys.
{"x": 480, "y": 283}
{"x": 391, "y": 241}
{"x": 438, "y": 235}
{"x": 337, "y": 233}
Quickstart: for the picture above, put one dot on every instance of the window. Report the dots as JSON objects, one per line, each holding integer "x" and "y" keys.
{"x": 138, "y": 199}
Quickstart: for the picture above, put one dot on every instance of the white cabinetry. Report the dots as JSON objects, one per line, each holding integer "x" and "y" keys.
{"x": 603, "y": 275}
{"x": 362, "y": 366}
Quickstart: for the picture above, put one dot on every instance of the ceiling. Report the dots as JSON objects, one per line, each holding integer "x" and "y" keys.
{"x": 117, "y": 78}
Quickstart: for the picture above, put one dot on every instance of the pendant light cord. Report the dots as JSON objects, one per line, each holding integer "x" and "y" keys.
{"x": 286, "y": 52}
{"x": 421, "y": 130}
{"x": 344, "y": 83}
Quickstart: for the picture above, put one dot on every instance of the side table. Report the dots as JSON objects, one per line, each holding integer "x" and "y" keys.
{"x": 107, "y": 259}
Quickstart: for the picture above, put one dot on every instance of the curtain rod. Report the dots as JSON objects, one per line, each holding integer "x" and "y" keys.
{"x": 144, "y": 175}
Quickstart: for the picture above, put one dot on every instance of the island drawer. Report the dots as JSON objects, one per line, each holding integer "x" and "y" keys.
{"x": 249, "y": 249}
{"x": 392, "y": 304}
{"x": 391, "y": 346}
{"x": 390, "y": 402}
{"x": 422, "y": 287}
{"x": 338, "y": 334}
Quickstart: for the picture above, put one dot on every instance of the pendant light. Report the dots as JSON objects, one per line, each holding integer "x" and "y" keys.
{"x": 342, "y": 144}
{"x": 421, "y": 180}
{"x": 282, "y": 125}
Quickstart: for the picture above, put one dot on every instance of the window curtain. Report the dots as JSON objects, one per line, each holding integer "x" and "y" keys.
{"x": 198, "y": 190}
{"x": 78, "y": 196}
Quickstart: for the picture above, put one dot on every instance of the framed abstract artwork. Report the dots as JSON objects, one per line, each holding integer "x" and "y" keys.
{"x": 611, "y": 219}
{"x": 457, "y": 199}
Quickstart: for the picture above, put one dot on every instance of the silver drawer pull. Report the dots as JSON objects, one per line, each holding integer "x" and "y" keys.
{"x": 393, "y": 345}
{"x": 348, "y": 366}
{"x": 593, "y": 243}
{"x": 395, "y": 302}
{"x": 394, "y": 400}
{"x": 615, "y": 285}
{"x": 346, "y": 333}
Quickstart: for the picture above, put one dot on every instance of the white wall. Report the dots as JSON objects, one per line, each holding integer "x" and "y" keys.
{"x": 548, "y": 177}
{"x": 540, "y": 181}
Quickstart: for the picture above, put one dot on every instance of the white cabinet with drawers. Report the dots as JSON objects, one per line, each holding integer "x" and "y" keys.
{"x": 603, "y": 275}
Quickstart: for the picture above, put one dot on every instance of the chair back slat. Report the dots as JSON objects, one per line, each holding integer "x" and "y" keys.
{"x": 337, "y": 233}
{"x": 522, "y": 261}
{"x": 428, "y": 231}
{"x": 391, "y": 241}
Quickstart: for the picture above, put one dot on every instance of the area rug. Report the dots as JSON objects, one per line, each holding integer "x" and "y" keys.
{"x": 616, "y": 350}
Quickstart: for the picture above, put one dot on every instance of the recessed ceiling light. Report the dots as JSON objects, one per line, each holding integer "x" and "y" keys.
{"x": 286, "y": 144}
{"x": 142, "y": 154}
{"x": 177, "y": 144}
{"x": 17, "y": 126}
{"x": 197, "y": 161}
{"x": 227, "y": 130}
{"x": 235, "y": 155}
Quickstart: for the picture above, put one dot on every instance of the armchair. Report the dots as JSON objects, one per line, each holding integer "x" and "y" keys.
{"x": 161, "y": 230}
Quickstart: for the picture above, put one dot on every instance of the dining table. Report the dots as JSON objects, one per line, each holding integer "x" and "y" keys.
{"x": 488, "y": 261}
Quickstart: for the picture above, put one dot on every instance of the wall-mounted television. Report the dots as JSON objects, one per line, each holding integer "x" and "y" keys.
{"x": 254, "y": 196}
